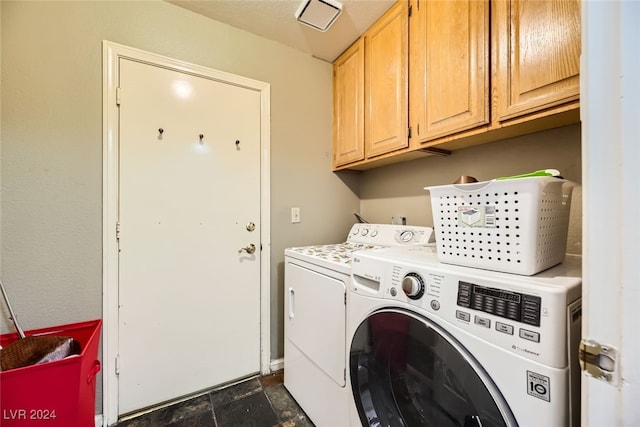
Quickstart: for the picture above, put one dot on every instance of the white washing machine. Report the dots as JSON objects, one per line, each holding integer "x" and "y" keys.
{"x": 440, "y": 345}
{"x": 315, "y": 349}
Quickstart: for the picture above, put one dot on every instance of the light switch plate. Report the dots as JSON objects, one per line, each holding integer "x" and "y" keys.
{"x": 295, "y": 215}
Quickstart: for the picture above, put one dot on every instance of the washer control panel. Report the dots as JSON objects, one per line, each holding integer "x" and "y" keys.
{"x": 520, "y": 314}
{"x": 510, "y": 305}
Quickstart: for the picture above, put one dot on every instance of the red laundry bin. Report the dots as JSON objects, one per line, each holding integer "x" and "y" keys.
{"x": 53, "y": 394}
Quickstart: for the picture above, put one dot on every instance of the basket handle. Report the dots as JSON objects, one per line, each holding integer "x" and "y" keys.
{"x": 473, "y": 186}
{"x": 468, "y": 187}
{"x": 478, "y": 186}
{"x": 91, "y": 377}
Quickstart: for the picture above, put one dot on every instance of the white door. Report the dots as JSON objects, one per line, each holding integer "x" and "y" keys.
{"x": 189, "y": 192}
{"x": 610, "y": 101}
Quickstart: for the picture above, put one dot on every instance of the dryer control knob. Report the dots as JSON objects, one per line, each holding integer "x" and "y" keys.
{"x": 413, "y": 285}
{"x": 406, "y": 236}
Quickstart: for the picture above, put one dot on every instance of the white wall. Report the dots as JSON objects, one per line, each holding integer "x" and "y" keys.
{"x": 398, "y": 190}
{"x": 51, "y": 131}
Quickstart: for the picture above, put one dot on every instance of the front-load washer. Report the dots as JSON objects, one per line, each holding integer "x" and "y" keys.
{"x": 315, "y": 350}
{"x": 441, "y": 345}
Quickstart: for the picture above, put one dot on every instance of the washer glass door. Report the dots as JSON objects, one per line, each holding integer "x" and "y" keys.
{"x": 408, "y": 371}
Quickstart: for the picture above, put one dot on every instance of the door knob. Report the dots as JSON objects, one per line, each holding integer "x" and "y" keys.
{"x": 250, "y": 248}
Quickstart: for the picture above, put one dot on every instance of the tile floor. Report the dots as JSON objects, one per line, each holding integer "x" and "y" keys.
{"x": 257, "y": 402}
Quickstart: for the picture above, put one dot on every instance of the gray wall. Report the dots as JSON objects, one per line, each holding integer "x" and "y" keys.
{"x": 398, "y": 190}
{"x": 51, "y": 133}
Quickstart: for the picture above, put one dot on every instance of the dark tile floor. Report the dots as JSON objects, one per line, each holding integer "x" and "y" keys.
{"x": 257, "y": 402}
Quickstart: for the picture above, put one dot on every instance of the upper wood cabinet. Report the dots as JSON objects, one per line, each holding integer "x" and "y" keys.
{"x": 370, "y": 91}
{"x": 386, "y": 82}
{"x": 348, "y": 106}
{"x": 537, "y": 55}
{"x": 455, "y": 74}
{"x": 449, "y": 67}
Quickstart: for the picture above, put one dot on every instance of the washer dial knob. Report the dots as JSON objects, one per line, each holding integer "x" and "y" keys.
{"x": 406, "y": 236}
{"x": 413, "y": 285}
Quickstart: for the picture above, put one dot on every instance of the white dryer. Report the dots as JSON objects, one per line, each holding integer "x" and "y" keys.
{"x": 441, "y": 345}
{"x": 315, "y": 348}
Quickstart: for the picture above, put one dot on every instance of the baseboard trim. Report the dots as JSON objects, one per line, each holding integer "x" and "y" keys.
{"x": 99, "y": 420}
{"x": 277, "y": 364}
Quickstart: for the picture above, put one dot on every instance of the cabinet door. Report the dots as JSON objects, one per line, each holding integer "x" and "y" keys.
{"x": 386, "y": 82}
{"x": 449, "y": 67}
{"x": 537, "y": 45}
{"x": 348, "y": 106}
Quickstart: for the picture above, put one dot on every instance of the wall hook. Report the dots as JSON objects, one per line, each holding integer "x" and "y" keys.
{"x": 160, "y": 132}
{"x": 201, "y": 138}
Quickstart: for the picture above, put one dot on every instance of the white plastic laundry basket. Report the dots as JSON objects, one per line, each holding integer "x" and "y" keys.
{"x": 513, "y": 225}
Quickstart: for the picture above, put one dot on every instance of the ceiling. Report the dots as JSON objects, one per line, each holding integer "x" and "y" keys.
{"x": 275, "y": 20}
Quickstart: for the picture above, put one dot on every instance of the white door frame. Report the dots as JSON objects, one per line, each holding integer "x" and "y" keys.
{"x": 111, "y": 52}
{"x": 610, "y": 101}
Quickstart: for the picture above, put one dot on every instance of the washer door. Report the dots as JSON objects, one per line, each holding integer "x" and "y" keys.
{"x": 408, "y": 371}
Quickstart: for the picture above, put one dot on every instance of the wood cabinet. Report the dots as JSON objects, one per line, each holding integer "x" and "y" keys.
{"x": 455, "y": 74}
{"x": 449, "y": 76}
{"x": 370, "y": 92}
{"x": 348, "y": 106}
{"x": 386, "y": 82}
{"x": 537, "y": 55}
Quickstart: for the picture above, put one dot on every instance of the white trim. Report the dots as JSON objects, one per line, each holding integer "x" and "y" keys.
{"x": 277, "y": 364}
{"x": 610, "y": 100}
{"x": 109, "y": 244}
{"x": 99, "y": 420}
{"x": 111, "y": 52}
{"x": 265, "y": 234}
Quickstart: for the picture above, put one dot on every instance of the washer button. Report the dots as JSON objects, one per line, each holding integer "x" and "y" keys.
{"x": 482, "y": 321}
{"x": 463, "y": 315}
{"x": 504, "y": 328}
{"x": 530, "y": 335}
{"x": 393, "y": 292}
{"x": 435, "y": 304}
{"x": 374, "y": 233}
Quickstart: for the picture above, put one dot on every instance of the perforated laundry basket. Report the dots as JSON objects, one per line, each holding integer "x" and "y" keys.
{"x": 514, "y": 225}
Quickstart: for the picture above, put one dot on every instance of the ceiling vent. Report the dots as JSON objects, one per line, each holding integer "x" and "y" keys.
{"x": 318, "y": 14}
